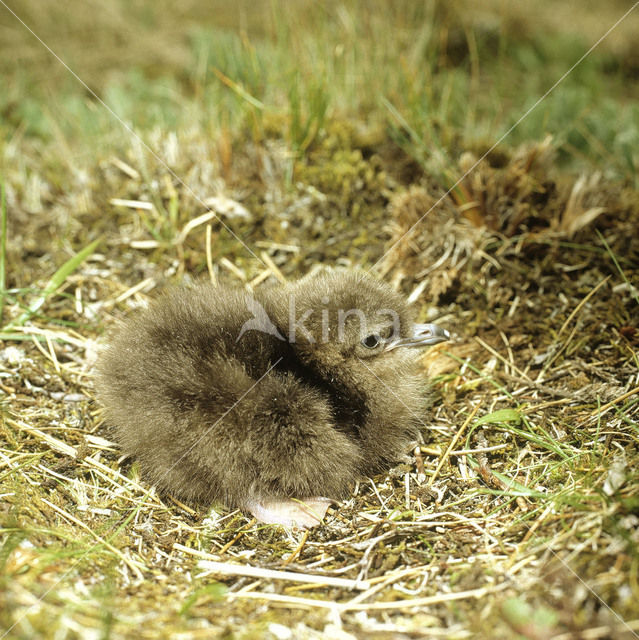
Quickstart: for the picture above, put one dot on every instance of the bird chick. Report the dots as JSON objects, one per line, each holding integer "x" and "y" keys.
{"x": 274, "y": 401}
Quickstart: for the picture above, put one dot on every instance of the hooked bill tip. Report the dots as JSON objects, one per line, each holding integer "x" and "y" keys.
{"x": 423, "y": 335}
{"x": 430, "y": 334}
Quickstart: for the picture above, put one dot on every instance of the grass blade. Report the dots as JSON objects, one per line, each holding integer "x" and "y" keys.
{"x": 57, "y": 280}
{"x": 613, "y": 257}
{"x": 502, "y": 415}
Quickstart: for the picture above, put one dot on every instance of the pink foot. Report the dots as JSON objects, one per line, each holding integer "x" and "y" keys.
{"x": 303, "y": 513}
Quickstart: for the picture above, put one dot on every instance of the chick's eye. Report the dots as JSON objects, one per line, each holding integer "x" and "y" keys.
{"x": 371, "y": 341}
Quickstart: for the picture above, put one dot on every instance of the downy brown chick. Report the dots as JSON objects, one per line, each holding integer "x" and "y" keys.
{"x": 274, "y": 401}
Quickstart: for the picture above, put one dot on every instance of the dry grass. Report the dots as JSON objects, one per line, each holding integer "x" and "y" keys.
{"x": 528, "y": 524}
{"x": 519, "y": 516}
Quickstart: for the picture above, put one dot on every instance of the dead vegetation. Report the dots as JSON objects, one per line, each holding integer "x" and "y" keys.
{"x": 519, "y": 514}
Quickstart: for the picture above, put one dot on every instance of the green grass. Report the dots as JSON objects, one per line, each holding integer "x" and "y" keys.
{"x": 389, "y": 65}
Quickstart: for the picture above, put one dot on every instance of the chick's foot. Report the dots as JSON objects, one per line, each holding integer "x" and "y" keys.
{"x": 303, "y": 513}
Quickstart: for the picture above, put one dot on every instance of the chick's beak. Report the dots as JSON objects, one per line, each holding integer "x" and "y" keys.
{"x": 423, "y": 336}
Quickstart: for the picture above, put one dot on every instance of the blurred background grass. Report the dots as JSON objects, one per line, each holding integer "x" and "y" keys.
{"x": 438, "y": 76}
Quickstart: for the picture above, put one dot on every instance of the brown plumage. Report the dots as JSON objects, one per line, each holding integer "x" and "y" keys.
{"x": 264, "y": 400}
